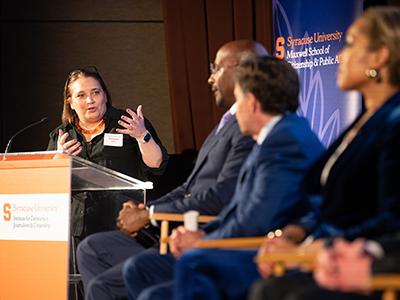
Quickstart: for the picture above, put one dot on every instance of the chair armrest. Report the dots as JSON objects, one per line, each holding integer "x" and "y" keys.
{"x": 287, "y": 257}
{"x": 179, "y": 217}
{"x": 245, "y": 242}
{"x": 305, "y": 262}
{"x": 385, "y": 281}
{"x": 389, "y": 283}
{"x": 166, "y": 218}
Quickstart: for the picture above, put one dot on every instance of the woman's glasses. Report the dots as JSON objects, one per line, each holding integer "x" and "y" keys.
{"x": 89, "y": 69}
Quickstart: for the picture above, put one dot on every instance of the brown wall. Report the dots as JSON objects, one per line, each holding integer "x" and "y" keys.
{"x": 41, "y": 41}
{"x": 131, "y": 42}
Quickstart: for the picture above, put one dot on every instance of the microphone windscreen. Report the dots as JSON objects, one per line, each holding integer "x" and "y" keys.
{"x": 45, "y": 120}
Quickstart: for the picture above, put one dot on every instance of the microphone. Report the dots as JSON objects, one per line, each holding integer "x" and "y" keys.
{"x": 44, "y": 120}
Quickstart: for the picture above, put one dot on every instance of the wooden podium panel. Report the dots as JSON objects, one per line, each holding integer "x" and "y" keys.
{"x": 34, "y": 226}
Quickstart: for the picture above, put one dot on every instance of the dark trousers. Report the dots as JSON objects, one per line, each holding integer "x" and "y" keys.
{"x": 100, "y": 260}
{"x": 149, "y": 276}
{"x": 199, "y": 274}
{"x": 212, "y": 274}
{"x": 298, "y": 287}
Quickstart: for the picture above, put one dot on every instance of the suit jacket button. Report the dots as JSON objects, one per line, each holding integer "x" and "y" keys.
{"x": 188, "y": 195}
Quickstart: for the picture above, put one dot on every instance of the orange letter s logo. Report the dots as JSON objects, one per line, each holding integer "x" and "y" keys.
{"x": 280, "y": 49}
{"x": 7, "y": 211}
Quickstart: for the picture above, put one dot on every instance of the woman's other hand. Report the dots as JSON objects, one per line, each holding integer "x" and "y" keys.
{"x": 72, "y": 147}
{"x": 134, "y": 126}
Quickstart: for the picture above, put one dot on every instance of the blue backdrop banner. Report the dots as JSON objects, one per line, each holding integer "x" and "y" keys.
{"x": 309, "y": 34}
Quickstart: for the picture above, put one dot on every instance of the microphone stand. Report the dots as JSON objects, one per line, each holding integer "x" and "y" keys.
{"x": 43, "y": 120}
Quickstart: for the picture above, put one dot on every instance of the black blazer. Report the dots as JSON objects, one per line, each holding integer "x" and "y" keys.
{"x": 211, "y": 184}
{"x": 362, "y": 193}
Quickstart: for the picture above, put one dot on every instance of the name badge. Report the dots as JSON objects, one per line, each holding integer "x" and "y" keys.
{"x": 113, "y": 139}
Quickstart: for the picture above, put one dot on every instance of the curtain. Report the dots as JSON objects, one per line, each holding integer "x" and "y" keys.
{"x": 194, "y": 31}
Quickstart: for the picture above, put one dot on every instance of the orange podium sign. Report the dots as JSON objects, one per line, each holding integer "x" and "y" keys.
{"x": 34, "y": 224}
{"x": 35, "y": 197}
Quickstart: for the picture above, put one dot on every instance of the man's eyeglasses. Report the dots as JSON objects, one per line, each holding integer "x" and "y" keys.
{"x": 89, "y": 69}
{"x": 215, "y": 68}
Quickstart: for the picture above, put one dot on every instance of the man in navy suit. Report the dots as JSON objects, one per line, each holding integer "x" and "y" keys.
{"x": 267, "y": 194}
{"x": 208, "y": 189}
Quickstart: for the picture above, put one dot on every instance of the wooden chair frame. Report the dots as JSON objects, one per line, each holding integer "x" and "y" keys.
{"x": 165, "y": 219}
{"x": 388, "y": 283}
{"x": 234, "y": 243}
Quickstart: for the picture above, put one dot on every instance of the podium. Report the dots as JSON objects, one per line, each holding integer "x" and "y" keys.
{"x": 35, "y": 197}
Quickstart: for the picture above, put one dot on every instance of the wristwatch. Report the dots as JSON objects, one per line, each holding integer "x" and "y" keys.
{"x": 145, "y": 139}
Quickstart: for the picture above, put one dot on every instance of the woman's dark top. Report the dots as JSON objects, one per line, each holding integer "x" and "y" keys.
{"x": 96, "y": 211}
{"x": 126, "y": 159}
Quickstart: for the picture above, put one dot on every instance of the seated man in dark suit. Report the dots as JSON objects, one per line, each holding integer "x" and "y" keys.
{"x": 267, "y": 194}
{"x": 208, "y": 189}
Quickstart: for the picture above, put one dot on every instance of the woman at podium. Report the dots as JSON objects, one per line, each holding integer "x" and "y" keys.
{"x": 124, "y": 141}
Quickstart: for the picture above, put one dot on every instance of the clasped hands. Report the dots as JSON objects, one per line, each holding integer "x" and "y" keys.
{"x": 182, "y": 240}
{"x": 132, "y": 218}
{"x": 288, "y": 242}
{"x": 344, "y": 267}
